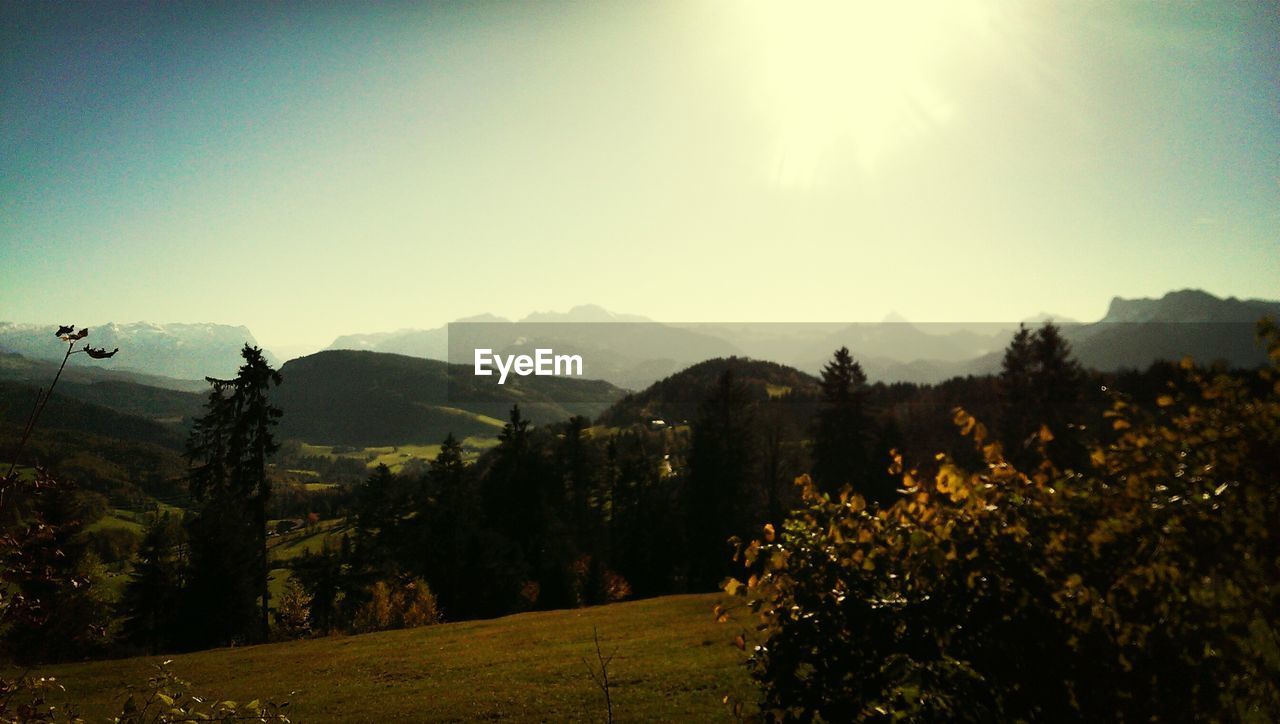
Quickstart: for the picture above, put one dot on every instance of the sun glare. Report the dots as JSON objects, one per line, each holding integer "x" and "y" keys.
{"x": 844, "y": 76}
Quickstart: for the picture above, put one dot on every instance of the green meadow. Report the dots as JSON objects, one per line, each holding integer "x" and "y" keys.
{"x": 672, "y": 662}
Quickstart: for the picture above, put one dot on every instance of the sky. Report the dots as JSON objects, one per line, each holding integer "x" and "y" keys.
{"x": 311, "y": 170}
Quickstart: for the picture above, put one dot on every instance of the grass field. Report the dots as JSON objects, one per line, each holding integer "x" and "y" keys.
{"x": 395, "y": 456}
{"x": 673, "y": 663}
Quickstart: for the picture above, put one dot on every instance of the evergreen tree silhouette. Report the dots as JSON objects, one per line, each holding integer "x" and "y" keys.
{"x": 228, "y": 451}
{"x": 1041, "y": 386}
{"x": 722, "y": 470}
{"x": 844, "y": 434}
{"x": 152, "y": 597}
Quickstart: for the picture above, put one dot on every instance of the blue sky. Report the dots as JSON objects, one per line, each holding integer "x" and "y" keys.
{"x": 310, "y": 170}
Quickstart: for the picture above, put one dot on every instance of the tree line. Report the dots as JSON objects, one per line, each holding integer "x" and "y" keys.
{"x": 553, "y": 516}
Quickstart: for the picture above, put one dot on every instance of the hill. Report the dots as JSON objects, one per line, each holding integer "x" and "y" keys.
{"x": 370, "y": 398}
{"x": 625, "y": 349}
{"x": 673, "y": 663}
{"x": 676, "y": 398}
{"x": 66, "y": 412}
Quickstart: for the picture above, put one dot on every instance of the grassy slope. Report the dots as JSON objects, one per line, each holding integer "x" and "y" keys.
{"x": 673, "y": 663}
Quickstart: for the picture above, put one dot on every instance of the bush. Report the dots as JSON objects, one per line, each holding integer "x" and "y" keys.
{"x": 1144, "y": 588}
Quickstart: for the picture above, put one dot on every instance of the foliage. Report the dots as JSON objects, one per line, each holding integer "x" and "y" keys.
{"x": 167, "y": 698}
{"x": 1143, "y": 588}
{"x": 398, "y": 605}
{"x": 32, "y": 699}
{"x": 1041, "y": 384}
{"x": 49, "y": 608}
{"x": 293, "y": 612}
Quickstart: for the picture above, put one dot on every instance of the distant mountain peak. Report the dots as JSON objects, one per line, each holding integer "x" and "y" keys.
{"x": 1186, "y": 305}
{"x": 485, "y": 318}
{"x": 584, "y": 313}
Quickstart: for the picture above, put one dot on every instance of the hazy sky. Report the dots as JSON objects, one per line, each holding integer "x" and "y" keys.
{"x": 313, "y": 170}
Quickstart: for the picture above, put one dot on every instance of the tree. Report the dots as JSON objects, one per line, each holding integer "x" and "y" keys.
{"x": 843, "y": 434}
{"x": 1059, "y": 384}
{"x": 51, "y": 604}
{"x": 1017, "y": 393}
{"x": 228, "y": 451}
{"x": 447, "y": 522}
{"x": 723, "y": 492}
{"x": 151, "y": 601}
{"x": 293, "y": 613}
{"x": 1143, "y": 588}
{"x": 1040, "y": 389}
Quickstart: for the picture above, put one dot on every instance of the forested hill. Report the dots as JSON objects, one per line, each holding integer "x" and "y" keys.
{"x": 372, "y": 398}
{"x": 677, "y": 398}
{"x": 66, "y": 412}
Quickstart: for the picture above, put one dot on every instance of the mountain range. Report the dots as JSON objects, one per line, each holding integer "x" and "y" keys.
{"x": 632, "y": 351}
{"x": 364, "y": 397}
{"x": 176, "y": 351}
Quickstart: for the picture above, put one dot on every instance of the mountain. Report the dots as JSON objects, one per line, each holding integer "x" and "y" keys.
{"x": 183, "y": 351}
{"x": 585, "y": 314}
{"x": 373, "y": 398}
{"x": 1190, "y": 322}
{"x": 626, "y": 350}
{"x": 676, "y": 398}
{"x": 1189, "y": 306}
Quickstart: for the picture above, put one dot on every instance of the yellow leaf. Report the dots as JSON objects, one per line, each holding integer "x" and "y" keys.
{"x": 1045, "y": 434}
{"x": 1121, "y": 424}
{"x": 1164, "y": 400}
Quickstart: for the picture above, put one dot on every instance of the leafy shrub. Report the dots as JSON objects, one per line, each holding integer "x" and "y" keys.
{"x": 167, "y": 698}
{"x": 1146, "y": 587}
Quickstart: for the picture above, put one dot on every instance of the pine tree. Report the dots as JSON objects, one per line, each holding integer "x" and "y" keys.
{"x": 842, "y": 440}
{"x": 1060, "y": 384}
{"x": 1017, "y": 393}
{"x": 152, "y": 597}
{"x": 445, "y": 513}
{"x": 228, "y": 451}
{"x": 1040, "y": 389}
{"x": 723, "y": 491}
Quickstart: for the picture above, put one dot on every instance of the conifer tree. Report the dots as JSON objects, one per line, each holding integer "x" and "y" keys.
{"x": 228, "y": 451}
{"x": 152, "y": 597}
{"x": 723, "y": 490}
{"x": 844, "y": 433}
